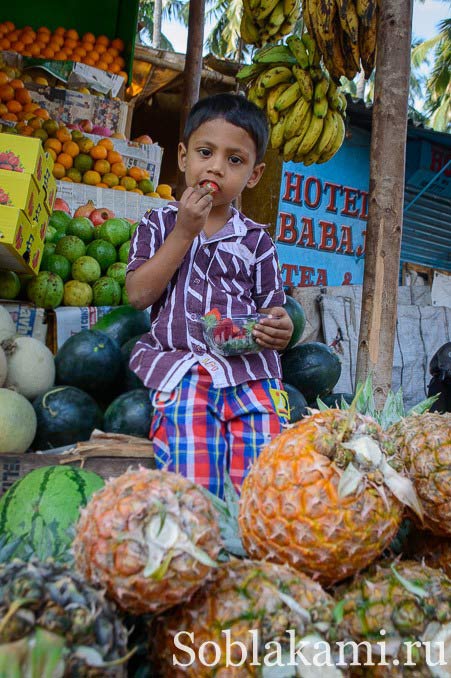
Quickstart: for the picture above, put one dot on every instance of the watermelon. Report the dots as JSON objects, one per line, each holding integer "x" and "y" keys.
{"x": 313, "y": 368}
{"x": 42, "y": 508}
{"x": 130, "y": 414}
{"x": 131, "y": 381}
{"x": 123, "y": 323}
{"x": 297, "y": 402}
{"x": 297, "y": 315}
{"x": 334, "y": 399}
{"x": 65, "y": 415}
{"x": 91, "y": 361}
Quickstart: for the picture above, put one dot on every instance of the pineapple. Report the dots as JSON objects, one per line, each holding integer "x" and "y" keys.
{"x": 150, "y": 538}
{"x": 325, "y": 496}
{"x": 411, "y": 603}
{"x": 244, "y": 596}
{"x": 424, "y": 443}
{"x": 52, "y": 624}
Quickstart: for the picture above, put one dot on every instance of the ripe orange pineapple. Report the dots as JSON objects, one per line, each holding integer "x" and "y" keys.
{"x": 244, "y": 596}
{"x": 150, "y": 538}
{"x": 325, "y": 496}
{"x": 424, "y": 442}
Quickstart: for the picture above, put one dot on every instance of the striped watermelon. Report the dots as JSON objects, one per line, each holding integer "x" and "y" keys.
{"x": 42, "y": 508}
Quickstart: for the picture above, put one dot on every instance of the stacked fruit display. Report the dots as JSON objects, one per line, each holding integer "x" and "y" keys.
{"x": 15, "y": 100}
{"x": 305, "y": 109}
{"x": 65, "y": 45}
{"x": 345, "y": 32}
{"x": 265, "y": 21}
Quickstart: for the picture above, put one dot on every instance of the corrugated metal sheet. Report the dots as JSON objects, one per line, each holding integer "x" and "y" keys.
{"x": 426, "y": 238}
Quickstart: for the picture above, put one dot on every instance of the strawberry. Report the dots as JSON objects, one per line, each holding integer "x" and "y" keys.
{"x": 223, "y": 331}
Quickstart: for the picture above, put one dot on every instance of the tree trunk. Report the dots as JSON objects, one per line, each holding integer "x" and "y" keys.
{"x": 193, "y": 69}
{"x": 157, "y": 18}
{"x": 386, "y": 200}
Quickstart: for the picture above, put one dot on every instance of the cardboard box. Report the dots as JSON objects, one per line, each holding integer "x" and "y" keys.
{"x": 134, "y": 154}
{"x": 20, "y": 190}
{"x": 25, "y": 154}
{"x": 21, "y": 240}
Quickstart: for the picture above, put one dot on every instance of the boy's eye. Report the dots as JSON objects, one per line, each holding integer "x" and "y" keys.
{"x": 235, "y": 160}
{"x": 205, "y": 152}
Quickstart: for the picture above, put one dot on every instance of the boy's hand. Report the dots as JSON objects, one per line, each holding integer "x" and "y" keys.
{"x": 274, "y": 331}
{"x": 194, "y": 208}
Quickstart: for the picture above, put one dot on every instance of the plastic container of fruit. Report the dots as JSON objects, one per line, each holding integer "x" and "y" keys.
{"x": 229, "y": 336}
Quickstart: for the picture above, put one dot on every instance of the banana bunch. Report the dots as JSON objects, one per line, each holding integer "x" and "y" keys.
{"x": 345, "y": 32}
{"x": 305, "y": 109}
{"x": 265, "y": 21}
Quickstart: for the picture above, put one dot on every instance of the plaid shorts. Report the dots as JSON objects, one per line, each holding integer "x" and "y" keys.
{"x": 200, "y": 431}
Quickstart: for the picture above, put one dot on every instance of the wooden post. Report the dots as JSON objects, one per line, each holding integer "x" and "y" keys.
{"x": 386, "y": 200}
{"x": 193, "y": 69}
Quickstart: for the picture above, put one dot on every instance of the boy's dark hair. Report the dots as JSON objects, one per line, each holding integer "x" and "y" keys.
{"x": 235, "y": 109}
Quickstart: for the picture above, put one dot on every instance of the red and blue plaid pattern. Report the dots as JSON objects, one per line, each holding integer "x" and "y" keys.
{"x": 200, "y": 431}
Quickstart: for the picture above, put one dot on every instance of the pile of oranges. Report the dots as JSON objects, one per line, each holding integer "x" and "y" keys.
{"x": 65, "y": 45}
{"x": 16, "y": 104}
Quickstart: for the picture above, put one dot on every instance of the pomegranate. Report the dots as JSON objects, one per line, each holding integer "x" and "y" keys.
{"x": 100, "y": 215}
{"x": 144, "y": 139}
{"x": 85, "y": 125}
{"x": 62, "y": 205}
{"x": 85, "y": 210}
{"x": 102, "y": 131}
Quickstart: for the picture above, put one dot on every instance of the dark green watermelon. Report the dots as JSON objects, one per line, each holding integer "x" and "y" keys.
{"x": 130, "y": 380}
{"x": 123, "y": 323}
{"x": 334, "y": 399}
{"x": 312, "y": 368}
{"x": 130, "y": 414}
{"x": 297, "y": 315}
{"x": 65, "y": 415}
{"x": 52, "y": 496}
{"x": 297, "y": 402}
{"x": 90, "y": 360}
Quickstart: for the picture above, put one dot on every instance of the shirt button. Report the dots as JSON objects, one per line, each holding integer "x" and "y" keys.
{"x": 196, "y": 281}
{"x": 199, "y": 349}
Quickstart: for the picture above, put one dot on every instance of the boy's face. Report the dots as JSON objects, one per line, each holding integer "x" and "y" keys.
{"x": 222, "y": 154}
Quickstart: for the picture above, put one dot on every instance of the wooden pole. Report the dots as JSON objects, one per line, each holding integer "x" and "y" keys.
{"x": 193, "y": 69}
{"x": 386, "y": 200}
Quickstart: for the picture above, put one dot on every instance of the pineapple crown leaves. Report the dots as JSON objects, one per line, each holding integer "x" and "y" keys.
{"x": 414, "y": 589}
{"x": 227, "y": 511}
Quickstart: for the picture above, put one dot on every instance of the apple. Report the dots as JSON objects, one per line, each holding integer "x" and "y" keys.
{"x": 62, "y": 205}
{"x": 143, "y": 139}
{"x": 86, "y": 125}
{"x": 100, "y": 215}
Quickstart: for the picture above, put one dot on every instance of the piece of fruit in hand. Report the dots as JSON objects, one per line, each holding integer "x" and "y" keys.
{"x": 211, "y": 185}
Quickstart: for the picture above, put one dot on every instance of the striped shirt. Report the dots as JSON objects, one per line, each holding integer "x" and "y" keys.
{"x": 236, "y": 270}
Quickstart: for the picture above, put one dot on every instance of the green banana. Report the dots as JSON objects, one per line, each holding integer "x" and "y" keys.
{"x": 277, "y": 132}
{"x": 336, "y": 142}
{"x": 264, "y": 9}
{"x": 249, "y": 31}
{"x": 365, "y": 10}
{"x": 348, "y": 19}
{"x": 249, "y": 72}
{"x": 321, "y": 88}
{"x": 343, "y": 102}
{"x": 311, "y": 136}
{"x": 295, "y": 117}
{"x": 310, "y": 157}
{"x": 275, "y": 75}
{"x": 290, "y": 147}
{"x": 328, "y": 134}
{"x": 288, "y": 97}
{"x": 289, "y": 6}
{"x": 305, "y": 82}
{"x": 247, "y": 9}
{"x": 305, "y": 124}
{"x": 276, "y": 19}
{"x": 252, "y": 95}
{"x": 273, "y": 54}
{"x": 314, "y": 57}
{"x": 321, "y": 107}
{"x": 273, "y": 95}
{"x": 316, "y": 74}
{"x": 297, "y": 47}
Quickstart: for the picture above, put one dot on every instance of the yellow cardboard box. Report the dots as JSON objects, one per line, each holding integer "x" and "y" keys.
{"x": 21, "y": 241}
{"x": 26, "y": 155}
{"x": 20, "y": 190}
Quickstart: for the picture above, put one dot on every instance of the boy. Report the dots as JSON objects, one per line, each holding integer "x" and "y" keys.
{"x": 211, "y": 413}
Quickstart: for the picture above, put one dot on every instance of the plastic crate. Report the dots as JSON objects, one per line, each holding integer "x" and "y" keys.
{"x": 113, "y": 18}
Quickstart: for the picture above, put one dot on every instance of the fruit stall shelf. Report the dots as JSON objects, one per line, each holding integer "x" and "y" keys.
{"x": 113, "y": 18}
{"x": 108, "y": 455}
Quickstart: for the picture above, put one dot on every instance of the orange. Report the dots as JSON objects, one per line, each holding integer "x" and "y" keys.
{"x": 24, "y": 96}
{"x": 137, "y": 190}
{"x": 63, "y": 134}
{"x": 75, "y": 57}
{"x": 114, "y": 157}
{"x": 124, "y": 75}
{"x": 16, "y": 83}
{"x": 65, "y": 160}
{"x": 35, "y": 49}
{"x": 119, "y": 188}
{"x": 99, "y": 152}
{"x": 26, "y": 116}
{"x": 36, "y": 123}
{"x": 110, "y": 179}
{"x": 102, "y": 166}
{"x": 118, "y": 44}
{"x": 42, "y": 113}
{"x": 28, "y": 38}
{"x": 80, "y": 51}
{"x": 95, "y": 56}
{"x": 87, "y": 46}
{"x": 107, "y": 58}
{"x": 99, "y": 48}
{"x": 4, "y": 78}
{"x": 107, "y": 143}
{"x": 72, "y": 34}
{"x": 67, "y": 179}
{"x": 114, "y": 68}
{"x": 128, "y": 182}
{"x": 43, "y": 39}
{"x": 119, "y": 60}
{"x": 14, "y": 106}
{"x": 103, "y": 40}
{"x": 6, "y": 93}
{"x": 5, "y": 44}
{"x": 89, "y": 37}
{"x": 3, "y": 109}
{"x": 57, "y": 40}
{"x": 113, "y": 51}
{"x": 102, "y": 185}
{"x": 71, "y": 148}
{"x": 88, "y": 61}
{"x": 119, "y": 169}
{"x": 85, "y": 144}
{"x": 102, "y": 65}
{"x": 10, "y": 116}
{"x": 91, "y": 178}
{"x": 48, "y": 53}
{"x": 9, "y": 25}
{"x": 136, "y": 173}
{"x": 32, "y": 106}
{"x": 28, "y": 132}
{"x": 59, "y": 31}
{"x": 49, "y": 150}
{"x": 18, "y": 46}
{"x": 60, "y": 56}
{"x": 70, "y": 43}
{"x": 58, "y": 170}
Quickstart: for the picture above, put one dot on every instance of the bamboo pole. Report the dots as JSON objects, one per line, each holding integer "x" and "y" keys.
{"x": 193, "y": 69}
{"x": 386, "y": 200}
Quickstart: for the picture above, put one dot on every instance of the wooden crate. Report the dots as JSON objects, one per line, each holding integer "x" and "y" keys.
{"x": 107, "y": 455}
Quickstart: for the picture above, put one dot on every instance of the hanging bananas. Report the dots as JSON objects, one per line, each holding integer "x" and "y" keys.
{"x": 266, "y": 21}
{"x": 345, "y": 33}
{"x": 304, "y": 107}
